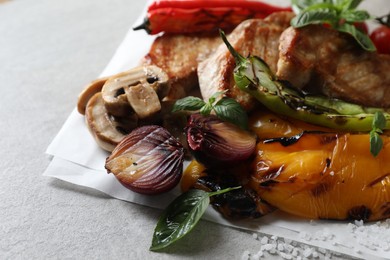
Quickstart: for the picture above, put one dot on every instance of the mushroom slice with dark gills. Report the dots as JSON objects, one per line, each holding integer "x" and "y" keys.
{"x": 107, "y": 130}
{"x": 116, "y": 89}
{"x": 238, "y": 204}
{"x": 320, "y": 175}
{"x": 88, "y": 92}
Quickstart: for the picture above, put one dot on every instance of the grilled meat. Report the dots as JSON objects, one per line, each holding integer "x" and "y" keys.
{"x": 257, "y": 37}
{"x": 324, "y": 61}
{"x": 178, "y": 56}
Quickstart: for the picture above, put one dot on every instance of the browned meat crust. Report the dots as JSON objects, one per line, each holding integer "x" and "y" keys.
{"x": 257, "y": 37}
{"x": 321, "y": 60}
{"x": 178, "y": 56}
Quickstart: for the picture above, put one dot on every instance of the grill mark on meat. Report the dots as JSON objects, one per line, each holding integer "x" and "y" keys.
{"x": 256, "y": 37}
{"x": 320, "y": 60}
{"x": 178, "y": 55}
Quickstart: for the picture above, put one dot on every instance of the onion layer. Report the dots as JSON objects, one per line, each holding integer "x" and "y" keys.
{"x": 214, "y": 141}
{"x": 149, "y": 160}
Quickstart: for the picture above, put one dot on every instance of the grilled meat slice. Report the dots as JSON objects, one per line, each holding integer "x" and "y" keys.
{"x": 257, "y": 37}
{"x": 178, "y": 56}
{"x": 324, "y": 61}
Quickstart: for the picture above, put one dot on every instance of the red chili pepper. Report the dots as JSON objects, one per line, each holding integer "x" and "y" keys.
{"x": 188, "y": 16}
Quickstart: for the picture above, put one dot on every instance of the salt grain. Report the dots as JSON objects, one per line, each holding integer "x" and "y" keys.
{"x": 295, "y": 252}
{"x": 245, "y": 255}
{"x": 264, "y": 240}
{"x": 280, "y": 247}
{"x": 285, "y": 256}
{"x": 268, "y": 247}
{"x": 307, "y": 252}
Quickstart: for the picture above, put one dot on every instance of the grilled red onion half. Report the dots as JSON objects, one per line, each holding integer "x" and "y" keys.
{"x": 149, "y": 160}
{"x": 216, "y": 142}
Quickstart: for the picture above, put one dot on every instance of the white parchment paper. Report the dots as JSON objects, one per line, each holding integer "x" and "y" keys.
{"x": 77, "y": 159}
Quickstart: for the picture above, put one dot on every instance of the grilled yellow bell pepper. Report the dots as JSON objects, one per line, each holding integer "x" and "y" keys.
{"x": 320, "y": 175}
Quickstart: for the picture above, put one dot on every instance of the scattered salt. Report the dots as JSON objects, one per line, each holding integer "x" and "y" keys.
{"x": 280, "y": 247}
{"x": 264, "y": 240}
{"x": 285, "y": 256}
{"x": 289, "y": 248}
{"x": 307, "y": 252}
{"x": 246, "y": 255}
{"x": 359, "y": 223}
{"x": 268, "y": 247}
{"x": 272, "y": 251}
{"x": 373, "y": 236}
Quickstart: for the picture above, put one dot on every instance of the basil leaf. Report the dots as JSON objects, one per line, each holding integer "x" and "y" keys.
{"x": 355, "y": 16}
{"x": 376, "y": 143}
{"x": 379, "y": 121}
{"x": 314, "y": 16}
{"x": 230, "y": 110}
{"x": 300, "y": 5}
{"x": 351, "y": 4}
{"x": 188, "y": 103}
{"x": 179, "y": 218}
{"x": 362, "y": 38}
{"x": 215, "y": 96}
{"x": 206, "y": 109}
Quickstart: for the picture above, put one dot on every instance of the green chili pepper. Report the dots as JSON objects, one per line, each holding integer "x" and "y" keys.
{"x": 253, "y": 76}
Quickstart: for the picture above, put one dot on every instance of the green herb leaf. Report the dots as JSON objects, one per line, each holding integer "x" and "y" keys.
{"x": 361, "y": 38}
{"x": 376, "y": 143}
{"x": 350, "y": 4}
{"x": 378, "y": 124}
{"x": 341, "y": 14}
{"x": 355, "y": 16}
{"x": 230, "y": 110}
{"x": 215, "y": 96}
{"x": 206, "y": 109}
{"x": 188, "y": 103}
{"x": 181, "y": 216}
{"x": 299, "y": 5}
{"x": 379, "y": 121}
{"x": 225, "y": 108}
{"x": 314, "y": 17}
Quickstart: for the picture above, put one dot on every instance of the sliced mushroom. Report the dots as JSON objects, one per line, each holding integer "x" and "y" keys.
{"x": 158, "y": 80}
{"x": 90, "y": 90}
{"x": 107, "y": 130}
{"x": 144, "y": 100}
{"x": 114, "y": 90}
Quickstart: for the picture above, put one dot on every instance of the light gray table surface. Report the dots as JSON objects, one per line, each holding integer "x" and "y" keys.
{"x": 49, "y": 49}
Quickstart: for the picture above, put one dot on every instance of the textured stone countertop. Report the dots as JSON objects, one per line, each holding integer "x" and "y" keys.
{"x": 49, "y": 49}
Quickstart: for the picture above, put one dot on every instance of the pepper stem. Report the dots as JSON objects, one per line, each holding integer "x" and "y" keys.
{"x": 237, "y": 57}
{"x": 144, "y": 26}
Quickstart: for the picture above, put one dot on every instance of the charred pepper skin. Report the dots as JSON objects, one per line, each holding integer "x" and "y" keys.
{"x": 253, "y": 76}
{"x": 191, "y": 16}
